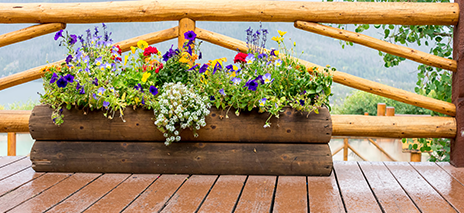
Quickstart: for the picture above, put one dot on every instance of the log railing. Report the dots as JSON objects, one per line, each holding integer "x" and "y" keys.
{"x": 305, "y": 15}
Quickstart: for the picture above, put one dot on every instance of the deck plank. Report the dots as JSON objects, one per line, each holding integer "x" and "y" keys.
{"x": 457, "y": 173}
{"x": 30, "y": 190}
{"x": 257, "y": 195}
{"x": 189, "y": 197}
{"x": 14, "y": 167}
{"x": 421, "y": 193}
{"x": 57, "y": 193}
{"x": 451, "y": 189}
{"x": 5, "y": 160}
{"x": 388, "y": 191}
{"x": 324, "y": 194}
{"x": 116, "y": 200}
{"x": 224, "y": 194}
{"x": 154, "y": 198}
{"x": 356, "y": 193}
{"x": 291, "y": 194}
{"x": 18, "y": 179}
{"x": 91, "y": 193}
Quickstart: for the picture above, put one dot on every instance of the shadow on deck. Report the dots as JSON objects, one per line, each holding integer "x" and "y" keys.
{"x": 352, "y": 187}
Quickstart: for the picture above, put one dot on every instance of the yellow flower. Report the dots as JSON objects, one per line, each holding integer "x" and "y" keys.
{"x": 185, "y": 57}
{"x": 203, "y": 81}
{"x": 142, "y": 44}
{"x": 145, "y": 76}
{"x": 281, "y": 33}
{"x": 125, "y": 59}
{"x": 232, "y": 74}
{"x": 137, "y": 100}
{"x": 133, "y": 50}
{"x": 276, "y": 52}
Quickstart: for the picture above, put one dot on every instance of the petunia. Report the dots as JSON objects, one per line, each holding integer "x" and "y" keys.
{"x": 267, "y": 78}
{"x": 145, "y": 76}
{"x": 262, "y": 102}
{"x": 95, "y": 82}
{"x": 203, "y": 68}
{"x": 211, "y": 98}
{"x": 106, "y": 104}
{"x": 69, "y": 59}
{"x": 250, "y": 58}
{"x": 260, "y": 79}
{"x": 58, "y": 34}
{"x": 302, "y": 102}
{"x": 236, "y": 81}
{"x": 170, "y": 53}
{"x": 142, "y": 44}
{"x": 153, "y": 90}
{"x": 251, "y": 85}
{"x": 222, "y": 92}
{"x": 72, "y": 39}
{"x": 82, "y": 91}
{"x": 69, "y": 78}
{"x": 61, "y": 82}
{"x": 100, "y": 91}
{"x": 190, "y": 35}
{"x": 54, "y": 78}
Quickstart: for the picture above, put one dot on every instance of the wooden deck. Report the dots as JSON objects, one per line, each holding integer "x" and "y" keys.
{"x": 352, "y": 187}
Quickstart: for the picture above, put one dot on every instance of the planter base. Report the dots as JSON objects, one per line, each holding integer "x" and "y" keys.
{"x": 182, "y": 158}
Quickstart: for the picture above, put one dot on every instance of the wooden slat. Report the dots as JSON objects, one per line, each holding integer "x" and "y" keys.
{"x": 388, "y": 191}
{"x": 224, "y": 194}
{"x": 15, "y": 181}
{"x": 14, "y": 120}
{"x": 344, "y": 78}
{"x": 421, "y": 193}
{"x": 189, "y": 197}
{"x": 182, "y": 158}
{"x": 356, "y": 193}
{"x": 455, "y": 172}
{"x": 124, "y": 194}
{"x": 291, "y": 127}
{"x": 29, "y": 190}
{"x": 291, "y": 194}
{"x": 82, "y": 199}
{"x": 398, "y": 50}
{"x": 5, "y": 160}
{"x": 210, "y": 10}
{"x": 257, "y": 195}
{"x": 451, "y": 189}
{"x": 57, "y": 193}
{"x": 37, "y": 72}
{"x": 154, "y": 198}
{"x": 14, "y": 167}
{"x": 29, "y": 32}
{"x": 324, "y": 194}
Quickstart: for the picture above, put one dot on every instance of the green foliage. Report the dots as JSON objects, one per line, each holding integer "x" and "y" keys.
{"x": 360, "y": 102}
{"x": 28, "y": 105}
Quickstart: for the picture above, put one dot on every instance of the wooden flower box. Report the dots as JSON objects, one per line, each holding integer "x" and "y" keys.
{"x": 295, "y": 144}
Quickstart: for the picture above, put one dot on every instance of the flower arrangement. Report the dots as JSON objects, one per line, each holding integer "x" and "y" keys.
{"x": 96, "y": 76}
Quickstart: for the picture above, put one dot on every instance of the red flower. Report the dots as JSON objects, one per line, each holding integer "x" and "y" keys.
{"x": 150, "y": 50}
{"x": 159, "y": 68}
{"x": 119, "y": 49}
{"x": 118, "y": 59}
{"x": 240, "y": 58}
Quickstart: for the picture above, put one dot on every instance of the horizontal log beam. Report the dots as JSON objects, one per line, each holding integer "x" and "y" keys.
{"x": 343, "y": 125}
{"x": 393, "y": 126}
{"x": 344, "y": 78}
{"x": 37, "y": 72}
{"x": 405, "y": 52}
{"x": 29, "y": 32}
{"x": 404, "y": 13}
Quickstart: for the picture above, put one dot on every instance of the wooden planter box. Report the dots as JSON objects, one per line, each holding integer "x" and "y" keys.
{"x": 295, "y": 144}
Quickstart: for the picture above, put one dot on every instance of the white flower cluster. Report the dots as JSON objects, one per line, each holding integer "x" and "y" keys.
{"x": 179, "y": 107}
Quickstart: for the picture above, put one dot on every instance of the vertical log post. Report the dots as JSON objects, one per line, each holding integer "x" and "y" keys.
{"x": 366, "y": 113}
{"x": 345, "y": 149}
{"x": 11, "y": 144}
{"x": 185, "y": 25}
{"x": 416, "y": 157}
{"x": 457, "y": 144}
{"x": 381, "y": 108}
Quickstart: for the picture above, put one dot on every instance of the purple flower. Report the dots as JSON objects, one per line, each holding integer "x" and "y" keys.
{"x": 203, "y": 68}
{"x": 69, "y": 59}
{"x": 199, "y": 56}
{"x": 138, "y": 87}
{"x": 250, "y": 58}
{"x": 211, "y": 98}
{"x": 190, "y": 35}
{"x": 222, "y": 92}
{"x": 262, "y": 55}
{"x": 260, "y": 79}
{"x": 78, "y": 86}
{"x": 189, "y": 50}
{"x": 143, "y": 101}
{"x": 273, "y": 52}
{"x": 78, "y": 54}
{"x": 100, "y": 91}
{"x": 69, "y": 78}
{"x": 153, "y": 90}
{"x": 252, "y": 85}
{"x": 216, "y": 67}
{"x": 58, "y": 34}
{"x": 230, "y": 67}
{"x": 193, "y": 68}
{"x": 170, "y": 53}
{"x": 72, "y": 39}
{"x": 54, "y": 78}
{"x": 82, "y": 91}
{"x": 95, "y": 96}
{"x": 267, "y": 78}
{"x": 95, "y": 82}
{"x": 106, "y": 104}
{"x": 236, "y": 80}
{"x": 61, "y": 82}
{"x": 302, "y": 102}
{"x": 262, "y": 102}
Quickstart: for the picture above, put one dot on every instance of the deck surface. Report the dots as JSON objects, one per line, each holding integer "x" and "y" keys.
{"x": 352, "y": 187}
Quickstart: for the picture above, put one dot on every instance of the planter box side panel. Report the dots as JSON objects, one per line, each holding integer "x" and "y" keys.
{"x": 182, "y": 158}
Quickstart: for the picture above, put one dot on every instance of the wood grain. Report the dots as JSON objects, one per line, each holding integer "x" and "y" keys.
{"x": 13, "y": 182}
{"x": 14, "y": 167}
{"x": 11, "y": 138}
{"x": 276, "y": 11}
{"x": 29, "y": 32}
{"x": 182, "y": 158}
{"x": 257, "y": 195}
{"x": 292, "y": 126}
{"x": 224, "y": 194}
{"x": 405, "y": 52}
{"x": 291, "y": 194}
{"x": 324, "y": 194}
{"x": 5, "y": 160}
{"x": 14, "y": 120}
{"x": 345, "y": 78}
